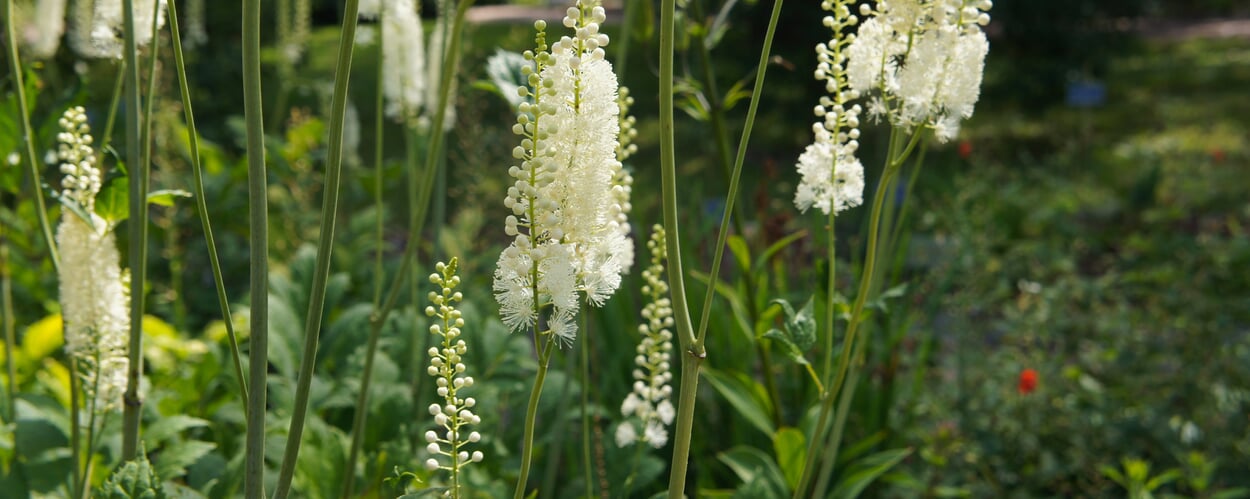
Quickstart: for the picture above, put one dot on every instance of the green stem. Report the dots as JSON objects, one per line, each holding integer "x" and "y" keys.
{"x": 258, "y": 221}
{"x": 695, "y": 353}
{"x": 201, "y": 204}
{"x": 622, "y": 44}
{"x": 28, "y": 133}
{"x": 325, "y": 247}
{"x": 75, "y": 423}
{"x": 114, "y": 103}
{"x": 896, "y": 233}
{"x": 720, "y": 132}
{"x": 832, "y": 389}
{"x": 531, "y": 411}
{"x": 451, "y": 60}
{"x": 839, "y": 424}
{"x": 633, "y": 468}
{"x": 830, "y": 291}
{"x": 378, "y": 129}
{"x": 10, "y": 333}
{"x": 137, "y": 153}
{"x": 585, "y": 382}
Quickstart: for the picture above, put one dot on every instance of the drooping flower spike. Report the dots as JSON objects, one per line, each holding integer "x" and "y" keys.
{"x": 648, "y": 405}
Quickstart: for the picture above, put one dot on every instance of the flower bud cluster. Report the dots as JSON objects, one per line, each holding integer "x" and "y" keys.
{"x": 78, "y": 160}
{"x": 924, "y": 58}
{"x": 832, "y": 176}
{"x": 454, "y": 414}
{"x": 649, "y": 401}
{"x": 97, "y": 26}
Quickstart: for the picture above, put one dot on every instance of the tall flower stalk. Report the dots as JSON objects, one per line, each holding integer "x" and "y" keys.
{"x": 455, "y": 415}
{"x": 567, "y": 237}
{"x": 921, "y": 63}
{"x": 258, "y": 225}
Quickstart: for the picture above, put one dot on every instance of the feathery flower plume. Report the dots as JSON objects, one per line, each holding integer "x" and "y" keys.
{"x": 567, "y": 234}
{"x": 649, "y": 402}
{"x": 196, "y": 32}
{"x": 98, "y": 30}
{"x": 403, "y": 55}
{"x": 40, "y": 27}
{"x": 924, "y": 59}
{"x": 832, "y": 178}
{"x": 455, "y": 414}
{"x": 622, "y": 181}
{"x": 93, "y": 296}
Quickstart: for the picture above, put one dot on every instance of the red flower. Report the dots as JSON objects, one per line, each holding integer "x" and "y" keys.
{"x": 965, "y": 149}
{"x": 1028, "y": 381}
{"x": 1217, "y": 155}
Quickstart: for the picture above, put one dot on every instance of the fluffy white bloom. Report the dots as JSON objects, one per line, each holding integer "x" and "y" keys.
{"x": 625, "y": 434}
{"x": 649, "y": 401}
{"x": 454, "y": 414}
{"x": 93, "y": 296}
{"x": 823, "y": 187}
{"x": 924, "y": 58}
{"x": 369, "y": 9}
{"x": 98, "y": 26}
{"x": 40, "y": 31}
{"x": 403, "y": 56}
{"x": 831, "y": 176}
{"x": 567, "y": 211}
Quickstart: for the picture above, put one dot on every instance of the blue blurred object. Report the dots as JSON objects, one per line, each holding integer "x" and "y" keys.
{"x": 1086, "y": 93}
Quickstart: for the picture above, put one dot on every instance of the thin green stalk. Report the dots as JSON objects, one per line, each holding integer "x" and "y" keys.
{"x": 451, "y": 61}
{"x": 10, "y": 333}
{"x": 325, "y": 247}
{"x": 28, "y": 133}
{"x": 622, "y": 43}
{"x": 118, "y": 86}
{"x": 531, "y": 410}
{"x": 691, "y": 344}
{"x": 892, "y": 242}
{"x": 585, "y": 381}
{"x": 831, "y": 389}
{"x": 137, "y": 230}
{"x": 830, "y": 290}
{"x": 633, "y": 468}
{"x": 75, "y": 423}
{"x": 201, "y": 203}
{"x": 258, "y": 222}
{"x": 720, "y": 132}
{"x": 378, "y": 128}
{"x": 839, "y": 424}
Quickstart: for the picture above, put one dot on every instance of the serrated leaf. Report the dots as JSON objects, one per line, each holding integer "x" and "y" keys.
{"x": 790, "y": 446}
{"x": 173, "y": 460}
{"x": 787, "y": 347}
{"x": 738, "y": 391}
{"x": 133, "y": 480}
{"x": 167, "y": 427}
{"x": 802, "y": 327}
{"x": 862, "y": 473}
{"x": 165, "y": 197}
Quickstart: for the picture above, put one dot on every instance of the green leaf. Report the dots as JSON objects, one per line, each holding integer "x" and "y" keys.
{"x": 134, "y": 480}
{"x": 167, "y": 427}
{"x": 430, "y": 492}
{"x": 802, "y": 327}
{"x": 753, "y": 466}
{"x": 741, "y": 253}
{"x": 791, "y": 448}
{"x": 165, "y": 197}
{"x": 173, "y": 460}
{"x": 1231, "y": 494}
{"x": 788, "y": 347}
{"x": 778, "y": 246}
{"x": 113, "y": 201}
{"x": 862, "y": 473}
{"x": 745, "y": 395}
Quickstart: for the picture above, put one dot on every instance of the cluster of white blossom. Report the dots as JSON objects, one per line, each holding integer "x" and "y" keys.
{"x": 649, "y": 402}
{"x": 832, "y": 178}
{"x": 98, "y": 26}
{"x": 455, "y": 414}
{"x": 923, "y": 60}
{"x": 93, "y": 295}
{"x": 39, "y": 25}
{"x": 566, "y": 227}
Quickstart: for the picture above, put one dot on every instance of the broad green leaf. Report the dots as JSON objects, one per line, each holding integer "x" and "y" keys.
{"x": 165, "y": 197}
{"x": 173, "y": 460}
{"x": 802, "y": 327}
{"x": 741, "y": 253}
{"x": 113, "y": 201}
{"x": 862, "y": 473}
{"x": 167, "y": 427}
{"x": 853, "y": 452}
{"x": 745, "y": 395}
{"x": 791, "y": 448}
{"x": 753, "y": 466}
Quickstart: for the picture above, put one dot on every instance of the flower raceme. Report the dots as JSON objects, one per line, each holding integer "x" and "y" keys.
{"x": 97, "y": 26}
{"x": 455, "y": 414}
{"x": 649, "y": 401}
{"x": 568, "y": 233}
{"x": 93, "y": 296}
